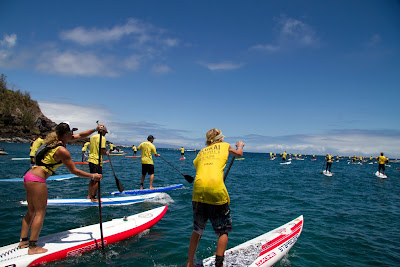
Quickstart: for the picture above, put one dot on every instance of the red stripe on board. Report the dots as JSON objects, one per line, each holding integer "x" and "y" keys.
{"x": 282, "y": 239}
{"x": 93, "y": 245}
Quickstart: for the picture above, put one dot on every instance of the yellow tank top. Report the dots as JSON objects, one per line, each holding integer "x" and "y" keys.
{"x": 209, "y": 186}
{"x": 48, "y": 159}
{"x": 382, "y": 159}
{"x": 94, "y": 149}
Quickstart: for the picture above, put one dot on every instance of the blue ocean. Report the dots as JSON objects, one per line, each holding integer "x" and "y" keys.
{"x": 349, "y": 218}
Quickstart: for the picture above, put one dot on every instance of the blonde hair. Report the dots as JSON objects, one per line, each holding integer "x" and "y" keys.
{"x": 51, "y": 139}
{"x": 211, "y": 136}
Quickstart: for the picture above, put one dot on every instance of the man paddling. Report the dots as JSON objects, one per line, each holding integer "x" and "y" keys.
{"x": 94, "y": 155}
{"x": 210, "y": 197}
{"x": 382, "y": 161}
{"x": 148, "y": 149}
{"x": 328, "y": 160}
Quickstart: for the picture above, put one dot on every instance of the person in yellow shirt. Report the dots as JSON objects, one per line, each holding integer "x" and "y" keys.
{"x": 328, "y": 160}
{"x": 84, "y": 151}
{"x": 134, "y": 149}
{"x": 94, "y": 156}
{"x": 148, "y": 149}
{"x": 182, "y": 153}
{"x": 382, "y": 161}
{"x": 35, "y": 145}
{"x": 35, "y": 182}
{"x": 210, "y": 198}
{"x": 284, "y": 156}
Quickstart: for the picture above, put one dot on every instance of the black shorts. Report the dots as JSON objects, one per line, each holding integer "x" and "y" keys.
{"x": 219, "y": 216}
{"x": 147, "y": 168}
{"x": 94, "y": 168}
{"x": 381, "y": 167}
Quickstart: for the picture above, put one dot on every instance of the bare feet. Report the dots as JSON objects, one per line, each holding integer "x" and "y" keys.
{"x": 36, "y": 250}
{"x": 23, "y": 244}
{"x": 152, "y": 187}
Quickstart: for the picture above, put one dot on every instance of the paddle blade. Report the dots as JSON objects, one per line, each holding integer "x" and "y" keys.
{"x": 189, "y": 178}
{"x": 119, "y": 185}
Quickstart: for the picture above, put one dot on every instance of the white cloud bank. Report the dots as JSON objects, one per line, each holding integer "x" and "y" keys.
{"x": 346, "y": 142}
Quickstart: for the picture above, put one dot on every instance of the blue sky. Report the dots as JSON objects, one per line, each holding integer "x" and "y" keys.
{"x": 309, "y": 77}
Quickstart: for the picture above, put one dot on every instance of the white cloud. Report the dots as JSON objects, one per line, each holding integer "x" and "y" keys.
{"x": 291, "y": 33}
{"x": 9, "y": 41}
{"x": 160, "y": 68}
{"x": 222, "y": 66}
{"x": 74, "y": 63}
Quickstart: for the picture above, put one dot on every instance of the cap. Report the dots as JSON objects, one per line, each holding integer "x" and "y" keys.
{"x": 150, "y": 137}
{"x": 64, "y": 127}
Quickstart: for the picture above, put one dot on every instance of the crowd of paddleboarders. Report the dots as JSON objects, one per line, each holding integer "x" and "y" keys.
{"x": 381, "y": 160}
{"x": 210, "y": 200}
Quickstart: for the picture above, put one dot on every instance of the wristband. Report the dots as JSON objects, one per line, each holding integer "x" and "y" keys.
{"x": 239, "y": 146}
{"x": 94, "y": 129}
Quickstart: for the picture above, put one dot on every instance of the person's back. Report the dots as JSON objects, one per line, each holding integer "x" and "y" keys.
{"x": 147, "y": 149}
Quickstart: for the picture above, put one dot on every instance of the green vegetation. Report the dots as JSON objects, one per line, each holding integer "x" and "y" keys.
{"x": 16, "y": 107}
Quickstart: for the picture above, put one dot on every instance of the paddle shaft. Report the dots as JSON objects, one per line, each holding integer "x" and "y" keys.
{"x": 229, "y": 167}
{"x": 187, "y": 177}
{"x": 117, "y": 181}
{"x": 99, "y": 198}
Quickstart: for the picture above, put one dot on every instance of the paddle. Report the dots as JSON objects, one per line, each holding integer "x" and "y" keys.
{"x": 117, "y": 181}
{"x": 99, "y": 193}
{"x": 229, "y": 167}
{"x": 188, "y": 178}
{"x": 26, "y": 172}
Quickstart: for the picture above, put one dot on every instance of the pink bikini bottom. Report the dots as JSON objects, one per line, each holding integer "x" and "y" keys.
{"x": 29, "y": 177}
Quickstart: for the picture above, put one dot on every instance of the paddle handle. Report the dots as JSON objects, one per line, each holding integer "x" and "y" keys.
{"x": 99, "y": 194}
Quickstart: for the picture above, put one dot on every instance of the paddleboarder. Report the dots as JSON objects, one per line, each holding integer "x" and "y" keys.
{"x": 284, "y": 156}
{"x": 148, "y": 149}
{"x": 182, "y": 152}
{"x": 382, "y": 161}
{"x": 210, "y": 197}
{"x": 53, "y": 155}
{"x": 84, "y": 151}
{"x": 328, "y": 159}
{"x": 134, "y": 149}
{"x": 94, "y": 155}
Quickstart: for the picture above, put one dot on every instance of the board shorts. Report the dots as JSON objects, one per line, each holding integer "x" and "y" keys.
{"x": 219, "y": 216}
{"x": 147, "y": 168}
{"x": 94, "y": 168}
{"x": 381, "y": 167}
{"x": 29, "y": 177}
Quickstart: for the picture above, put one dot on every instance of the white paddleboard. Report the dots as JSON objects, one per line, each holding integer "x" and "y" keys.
{"x": 286, "y": 163}
{"x": 105, "y": 201}
{"x": 327, "y": 173}
{"x": 20, "y": 158}
{"x": 380, "y": 175}
{"x": 81, "y": 240}
{"x": 264, "y": 250}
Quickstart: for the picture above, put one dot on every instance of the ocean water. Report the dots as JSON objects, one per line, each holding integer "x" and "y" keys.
{"x": 349, "y": 218}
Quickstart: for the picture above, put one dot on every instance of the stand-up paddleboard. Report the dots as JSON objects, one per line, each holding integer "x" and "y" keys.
{"x": 182, "y": 158}
{"x": 327, "y": 173}
{"x": 380, "y": 175}
{"x": 20, "y": 158}
{"x": 81, "y": 240}
{"x": 133, "y": 156}
{"x": 265, "y": 250}
{"x": 239, "y": 158}
{"x": 117, "y": 154}
{"x": 313, "y": 159}
{"x": 147, "y": 191}
{"x": 86, "y": 162}
{"x": 286, "y": 163}
{"x": 59, "y": 177}
{"x": 105, "y": 201}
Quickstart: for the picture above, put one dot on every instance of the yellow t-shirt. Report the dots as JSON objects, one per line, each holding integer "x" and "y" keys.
{"x": 94, "y": 149}
{"x": 48, "y": 159}
{"x": 382, "y": 159}
{"x": 182, "y": 150}
{"x": 38, "y": 142}
{"x": 328, "y": 158}
{"x": 209, "y": 186}
{"x": 134, "y": 148}
{"x": 147, "y": 150}
{"x": 84, "y": 148}
{"x": 284, "y": 155}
